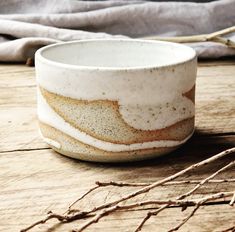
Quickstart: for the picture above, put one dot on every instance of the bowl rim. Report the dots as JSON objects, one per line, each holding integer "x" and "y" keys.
{"x": 39, "y": 56}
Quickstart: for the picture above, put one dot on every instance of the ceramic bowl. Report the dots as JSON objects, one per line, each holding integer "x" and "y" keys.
{"x": 116, "y": 100}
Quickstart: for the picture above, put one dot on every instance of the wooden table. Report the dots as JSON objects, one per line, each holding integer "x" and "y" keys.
{"x": 34, "y": 179}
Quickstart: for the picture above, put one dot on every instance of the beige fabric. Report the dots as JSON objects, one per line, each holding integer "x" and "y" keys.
{"x": 26, "y": 25}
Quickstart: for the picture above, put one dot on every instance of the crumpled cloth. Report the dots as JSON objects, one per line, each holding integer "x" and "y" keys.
{"x": 26, "y": 25}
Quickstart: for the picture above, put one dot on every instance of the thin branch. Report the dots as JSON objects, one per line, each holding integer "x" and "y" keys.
{"x": 225, "y": 31}
{"x": 179, "y": 39}
{"x": 167, "y": 179}
{"x": 150, "y": 214}
{"x": 224, "y": 41}
{"x": 126, "y": 184}
{"x": 121, "y": 184}
{"x": 175, "y": 202}
{"x": 213, "y": 37}
{"x": 195, "y": 38}
{"x": 61, "y": 218}
{"x": 186, "y": 218}
{"x": 166, "y": 203}
{"x": 184, "y": 204}
{"x": 180, "y": 182}
{"x": 230, "y": 229}
{"x": 114, "y": 205}
{"x": 111, "y": 209}
{"x": 80, "y": 198}
{"x": 206, "y": 180}
{"x": 231, "y": 203}
{"x": 50, "y": 216}
{"x": 199, "y": 203}
{"x": 96, "y": 218}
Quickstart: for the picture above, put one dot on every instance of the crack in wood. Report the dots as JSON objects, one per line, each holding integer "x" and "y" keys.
{"x": 26, "y": 149}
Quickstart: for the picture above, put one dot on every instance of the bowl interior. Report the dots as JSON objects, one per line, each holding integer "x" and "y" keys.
{"x": 114, "y": 53}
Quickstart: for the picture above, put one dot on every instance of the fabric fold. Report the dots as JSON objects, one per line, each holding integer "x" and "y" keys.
{"x": 27, "y": 25}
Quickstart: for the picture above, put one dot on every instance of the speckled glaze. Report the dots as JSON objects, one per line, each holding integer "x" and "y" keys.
{"x": 116, "y": 100}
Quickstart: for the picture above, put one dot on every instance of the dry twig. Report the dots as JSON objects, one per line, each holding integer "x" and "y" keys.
{"x": 150, "y": 214}
{"x": 186, "y": 218}
{"x": 180, "y": 182}
{"x": 98, "y": 212}
{"x": 199, "y": 203}
{"x": 157, "y": 183}
{"x": 206, "y": 180}
{"x": 232, "y": 200}
{"x": 230, "y": 229}
{"x": 50, "y": 216}
{"x": 170, "y": 178}
{"x": 183, "y": 203}
{"x": 129, "y": 184}
{"x": 212, "y": 37}
{"x": 80, "y": 198}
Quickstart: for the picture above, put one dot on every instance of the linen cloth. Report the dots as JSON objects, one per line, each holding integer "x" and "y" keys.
{"x": 26, "y": 25}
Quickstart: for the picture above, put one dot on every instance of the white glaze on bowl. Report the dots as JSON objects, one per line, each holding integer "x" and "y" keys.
{"x": 140, "y": 92}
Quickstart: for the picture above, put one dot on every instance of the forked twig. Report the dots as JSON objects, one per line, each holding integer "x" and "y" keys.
{"x": 157, "y": 183}
{"x": 149, "y": 215}
{"x": 186, "y": 218}
{"x": 197, "y": 203}
{"x": 206, "y": 180}
{"x": 98, "y": 212}
{"x": 212, "y": 37}
{"x": 167, "y": 179}
{"x": 50, "y": 216}
{"x": 80, "y": 198}
{"x": 231, "y": 203}
{"x": 183, "y": 203}
{"x": 129, "y": 184}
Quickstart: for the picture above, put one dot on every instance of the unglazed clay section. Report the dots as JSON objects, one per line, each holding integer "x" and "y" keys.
{"x": 76, "y": 149}
{"x": 101, "y": 119}
{"x": 135, "y": 91}
{"x": 48, "y": 116}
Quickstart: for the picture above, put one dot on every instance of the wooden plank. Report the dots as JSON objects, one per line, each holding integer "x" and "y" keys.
{"x": 19, "y": 129}
{"x": 215, "y": 104}
{"x": 16, "y": 76}
{"x": 35, "y": 181}
{"x": 18, "y": 120}
{"x": 215, "y": 99}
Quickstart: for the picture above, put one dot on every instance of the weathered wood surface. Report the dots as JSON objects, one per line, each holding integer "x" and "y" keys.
{"x": 34, "y": 179}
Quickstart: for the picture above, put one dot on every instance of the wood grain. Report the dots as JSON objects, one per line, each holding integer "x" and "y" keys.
{"x": 34, "y": 179}
{"x": 215, "y": 99}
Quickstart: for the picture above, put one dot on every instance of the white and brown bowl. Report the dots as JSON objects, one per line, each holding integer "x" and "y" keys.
{"x": 116, "y": 100}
